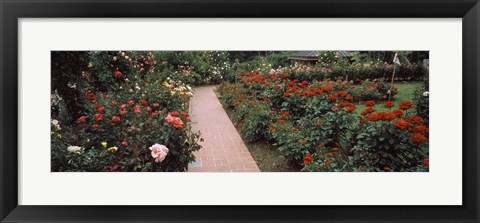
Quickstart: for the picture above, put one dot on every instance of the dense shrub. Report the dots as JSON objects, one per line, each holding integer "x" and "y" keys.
{"x": 131, "y": 118}
{"x": 314, "y": 123}
{"x": 422, "y": 101}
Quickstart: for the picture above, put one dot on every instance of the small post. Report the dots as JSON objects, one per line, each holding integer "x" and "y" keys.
{"x": 391, "y": 84}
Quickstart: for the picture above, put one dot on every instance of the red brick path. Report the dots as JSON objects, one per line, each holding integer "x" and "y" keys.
{"x": 223, "y": 150}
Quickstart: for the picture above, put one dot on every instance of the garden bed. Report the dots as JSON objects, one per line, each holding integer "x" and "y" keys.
{"x": 266, "y": 155}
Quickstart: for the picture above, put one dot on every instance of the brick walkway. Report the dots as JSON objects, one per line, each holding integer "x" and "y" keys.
{"x": 223, "y": 150}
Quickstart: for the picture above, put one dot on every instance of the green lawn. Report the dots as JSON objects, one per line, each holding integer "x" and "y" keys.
{"x": 405, "y": 93}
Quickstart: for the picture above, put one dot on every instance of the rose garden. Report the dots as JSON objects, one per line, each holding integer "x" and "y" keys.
{"x": 237, "y": 111}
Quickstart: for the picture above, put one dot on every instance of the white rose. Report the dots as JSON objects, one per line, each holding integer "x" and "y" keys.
{"x": 74, "y": 149}
{"x": 426, "y": 93}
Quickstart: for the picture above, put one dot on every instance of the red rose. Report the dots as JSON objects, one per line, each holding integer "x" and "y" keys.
{"x": 123, "y": 112}
{"x": 156, "y": 105}
{"x": 351, "y": 109}
{"x": 367, "y": 111}
{"x": 421, "y": 129}
{"x": 374, "y": 117}
{"x": 118, "y": 74}
{"x": 143, "y": 102}
{"x": 101, "y": 110}
{"x": 418, "y": 138}
{"x": 406, "y": 105}
{"x": 329, "y": 154}
{"x": 398, "y": 113}
{"x": 82, "y": 119}
{"x": 114, "y": 103}
{"x": 328, "y": 162}
{"x": 125, "y": 143}
{"x": 326, "y": 88}
{"x": 389, "y": 116}
{"x": 401, "y": 124}
{"x": 361, "y": 169}
{"x": 389, "y": 104}
{"x": 91, "y": 96}
{"x": 331, "y": 97}
{"x": 98, "y": 117}
{"x": 116, "y": 120}
{"x": 307, "y": 159}
{"x": 370, "y": 103}
{"x": 416, "y": 120}
{"x": 348, "y": 98}
{"x": 363, "y": 121}
{"x": 95, "y": 126}
{"x": 131, "y": 103}
{"x": 386, "y": 168}
{"x": 123, "y": 107}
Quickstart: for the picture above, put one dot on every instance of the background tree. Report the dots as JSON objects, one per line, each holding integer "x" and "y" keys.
{"x": 67, "y": 68}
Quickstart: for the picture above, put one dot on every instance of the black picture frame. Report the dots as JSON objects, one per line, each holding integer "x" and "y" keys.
{"x": 11, "y": 11}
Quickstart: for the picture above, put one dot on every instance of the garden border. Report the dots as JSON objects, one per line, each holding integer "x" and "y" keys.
{"x": 11, "y": 11}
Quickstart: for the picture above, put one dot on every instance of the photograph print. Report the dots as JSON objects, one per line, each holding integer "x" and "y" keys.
{"x": 239, "y": 111}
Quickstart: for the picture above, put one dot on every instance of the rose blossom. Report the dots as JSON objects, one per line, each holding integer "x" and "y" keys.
{"x": 136, "y": 109}
{"x": 159, "y": 152}
{"x": 101, "y": 109}
{"x": 75, "y": 149}
{"x": 98, "y": 117}
{"x": 82, "y": 119}
{"x": 169, "y": 118}
{"x": 177, "y": 122}
{"x": 115, "y": 120}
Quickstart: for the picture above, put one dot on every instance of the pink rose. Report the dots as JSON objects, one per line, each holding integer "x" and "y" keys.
{"x": 137, "y": 109}
{"x": 159, "y": 152}
{"x": 169, "y": 118}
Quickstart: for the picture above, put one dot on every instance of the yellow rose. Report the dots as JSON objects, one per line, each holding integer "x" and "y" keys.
{"x": 104, "y": 144}
{"x": 112, "y": 149}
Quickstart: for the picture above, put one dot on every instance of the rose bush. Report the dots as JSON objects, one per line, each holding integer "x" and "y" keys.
{"x": 138, "y": 122}
{"x": 314, "y": 123}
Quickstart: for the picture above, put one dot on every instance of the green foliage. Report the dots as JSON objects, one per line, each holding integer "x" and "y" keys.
{"x": 126, "y": 105}
{"x": 422, "y": 101}
{"x": 313, "y": 121}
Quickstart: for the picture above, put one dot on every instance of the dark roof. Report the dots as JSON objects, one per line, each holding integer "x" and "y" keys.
{"x": 313, "y": 55}
{"x": 345, "y": 53}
